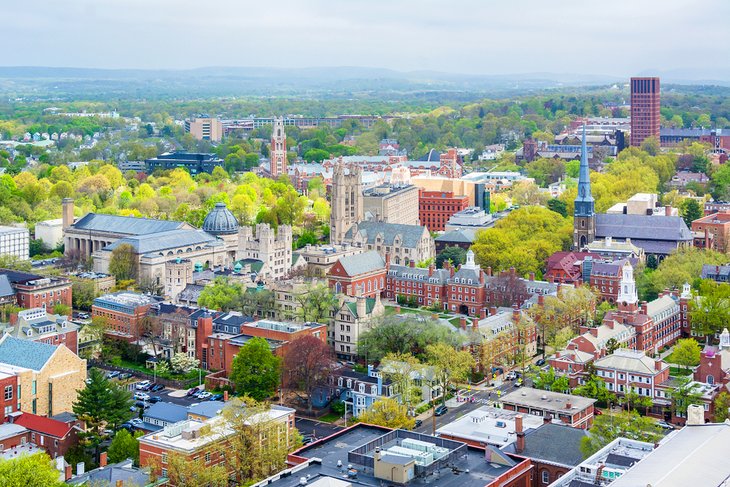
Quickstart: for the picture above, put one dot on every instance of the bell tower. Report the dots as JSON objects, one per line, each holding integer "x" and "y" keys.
{"x": 277, "y": 150}
{"x": 347, "y": 200}
{"x": 584, "y": 215}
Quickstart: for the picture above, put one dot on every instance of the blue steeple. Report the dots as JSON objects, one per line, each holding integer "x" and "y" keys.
{"x": 584, "y": 203}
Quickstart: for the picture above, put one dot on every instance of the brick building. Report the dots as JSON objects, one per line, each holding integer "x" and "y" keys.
{"x": 718, "y": 226}
{"x": 626, "y": 371}
{"x": 574, "y": 411}
{"x": 717, "y": 207}
{"x": 49, "y": 377}
{"x": 39, "y": 326}
{"x": 56, "y": 437}
{"x": 34, "y": 291}
{"x": 605, "y": 277}
{"x": 714, "y": 367}
{"x": 567, "y": 267}
{"x": 450, "y": 164}
{"x": 360, "y": 274}
{"x": 465, "y": 291}
{"x": 436, "y": 207}
{"x": 645, "y": 104}
{"x": 8, "y": 393}
{"x": 123, "y": 312}
{"x": 426, "y": 286}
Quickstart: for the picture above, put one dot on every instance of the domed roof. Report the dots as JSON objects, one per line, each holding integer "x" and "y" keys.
{"x": 220, "y": 221}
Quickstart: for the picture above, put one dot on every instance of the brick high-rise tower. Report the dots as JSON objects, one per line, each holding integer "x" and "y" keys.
{"x": 645, "y": 106}
{"x": 277, "y": 150}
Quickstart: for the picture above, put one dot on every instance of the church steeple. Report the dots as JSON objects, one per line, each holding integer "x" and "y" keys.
{"x": 584, "y": 215}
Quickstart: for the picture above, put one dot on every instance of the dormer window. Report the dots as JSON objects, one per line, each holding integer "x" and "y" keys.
{"x": 362, "y": 388}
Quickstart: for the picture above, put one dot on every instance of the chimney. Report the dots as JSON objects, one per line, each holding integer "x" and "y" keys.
{"x": 610, "y": 324}
{"x": 707, "y": 241}
{"x": 695, "y": 415}
{"x": 67, "y": 213}
{"x": 547, "y": 418}
{"x": 668, "y": 210}
{"x": 80, "y": 468}
{"x": 482, "y": 278}
{"x": 225, "y": 396}
{"x": 594, "y": 332}
{"x": 361, "y": 307}
{"x": 119, "y": 483}
{"x": 489, "y": 271}
{"x": 67, "y": 472}
{"x": 387, "y": 261}
{"x": 102, "y": 459}
{"x": 520, "y": 445}
{"x": 431, "y": 270}
{"x": 568, "y": 405}
{"x": 492, "y": 310}
{"x": 462, "y": 323}
{"x": 658, "y": 365}
{"x": 451, "y": 271}
{"x": 540, "y": 300}
{"x": 532, "y": 276}
{"x": 515, "y": 313}
{"x": 412, "y": 263}
{"x": 557, "y": 354}
{"x": 475, "y": 324}
{"x": 483, "y": 313}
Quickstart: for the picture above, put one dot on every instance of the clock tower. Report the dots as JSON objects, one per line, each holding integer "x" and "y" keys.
{"x": 584, "y": 215}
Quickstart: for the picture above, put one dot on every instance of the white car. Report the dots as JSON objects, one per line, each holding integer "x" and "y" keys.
{"x": 141, "y": 396}
{"x": 143, "y": 385}
{"x": 204, "y": 395}
{"x": 511, "y": 375}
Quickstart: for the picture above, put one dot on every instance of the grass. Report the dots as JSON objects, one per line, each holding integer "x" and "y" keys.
{"x": 679, "y": 371}
{"x": 329, "y": 418}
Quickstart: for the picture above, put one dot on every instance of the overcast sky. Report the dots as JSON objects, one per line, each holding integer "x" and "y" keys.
{"x": 613, "y": 37}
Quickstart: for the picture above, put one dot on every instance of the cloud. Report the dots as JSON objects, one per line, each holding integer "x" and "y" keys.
{"x": 463, "y": 36}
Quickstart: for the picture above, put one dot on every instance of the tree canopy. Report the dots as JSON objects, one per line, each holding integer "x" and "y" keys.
{"x": 256, "y": 370}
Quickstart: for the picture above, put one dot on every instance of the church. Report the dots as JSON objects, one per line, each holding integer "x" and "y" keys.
{"x": 656, "y": 234}
{"x": 220, "y": 243}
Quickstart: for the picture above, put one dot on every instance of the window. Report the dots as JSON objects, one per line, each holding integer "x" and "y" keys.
{"x": 8, "y": 393}
{"x": 545, "y": 477}
{"x": 164, "y": 472}
{"x": 164, "y": 459}
{"x": 207, "y": 457}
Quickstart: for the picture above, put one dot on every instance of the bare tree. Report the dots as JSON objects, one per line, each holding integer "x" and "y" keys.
{"x": 308, "y": 364}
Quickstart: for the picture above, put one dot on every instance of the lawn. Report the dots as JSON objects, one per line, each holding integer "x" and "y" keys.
{"x": 679, "y": 371}
{"x": 329, "y": 418}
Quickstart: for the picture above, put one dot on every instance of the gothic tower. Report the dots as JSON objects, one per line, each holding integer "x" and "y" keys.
{"x": 584, "y": 215}
{"x": 277, "y": 150}
{"x": 347, "y": 200}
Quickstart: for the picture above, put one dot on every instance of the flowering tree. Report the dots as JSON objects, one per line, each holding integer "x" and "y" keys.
{"x": 181, "y": 362}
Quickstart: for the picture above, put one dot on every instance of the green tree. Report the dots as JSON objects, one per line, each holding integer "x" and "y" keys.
{"x": 558, "y": 206}
{"x": 401, "y": 369}
{"x": 449, "y": 365}
{"x": 99, "y": 404}
{"x": 29, "y": 470}
{"x": 685, "y": 392}
{"x": 595, "y": 388}
{"x": 691, "y": 211}
{"x": 625, "y": 424}
{"x": 686, "y": 353}
{"x": 389, "y": 413}
{"x": 403, "y": 334}
{"x": 316, "y": 303}
{"x": 123, "y": 262}
{"x": 455, "y": 255}
{"x": 710, "y": 312}
{"x": 82, "y": 294}
{"x": 673, "y": 272}
{"x": 223, "y": 295}
{"x": 722, "y": 407}
{"x": 124, "y": 446}
{"x": 549, "y": 381}
{"x": 184, "y": 472}
{"x": 256, "y": 370}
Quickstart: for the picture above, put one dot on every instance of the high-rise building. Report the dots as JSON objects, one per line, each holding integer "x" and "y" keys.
{"x": 277, "y": 151}
{"x": 584, "y": 221}
{"x": 644, "y": 109}
{"x": 205, "y": 129}
{"x": 347, "y": 200}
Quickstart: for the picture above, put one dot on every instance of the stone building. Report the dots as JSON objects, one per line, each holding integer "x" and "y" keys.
{"x": 49, "y": 377}
{"x": 277, "y": 149}
{"x": 347, "y": 201}
{"x": 403, "y": 243}
{"x": 391, "y": 203}
{"x": 353, "y": 317}
{"x": 272, "y": 248}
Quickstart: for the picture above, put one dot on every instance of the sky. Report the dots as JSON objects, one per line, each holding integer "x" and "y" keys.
{"x": 610, "y": 37}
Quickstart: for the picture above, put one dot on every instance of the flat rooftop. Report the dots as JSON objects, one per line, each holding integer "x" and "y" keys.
{"x": 490, "y": 425}
{"x": 469, "y": 469}
{"x": 547, "y": 400}
{"x": 127, "y": 299}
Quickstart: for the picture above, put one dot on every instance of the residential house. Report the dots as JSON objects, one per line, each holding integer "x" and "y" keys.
{"x": 56, "y": 437}
{"x": 360, "y": 391}
{"x": 40, "y": 326}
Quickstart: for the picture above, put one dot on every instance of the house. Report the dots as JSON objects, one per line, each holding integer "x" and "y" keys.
{"x": 567, "y": 267}
{"x": 360, "y": 391}
{"x": 54, "y": 436}
{"x": 359, "y": 274}
{"x": 40, "y": 326}
{"x": 163, "y": 414}
{"x": 122, "y": 473}
{"x": 35, "y": 291}
{"x": 574, "y": 411}
{"x": 718, "y": 273}
{"x": 49, "y": 377}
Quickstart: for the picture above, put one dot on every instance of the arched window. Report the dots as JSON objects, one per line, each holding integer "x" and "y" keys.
{"x": 710, "y": 379}
{"x": 545, "y": 477}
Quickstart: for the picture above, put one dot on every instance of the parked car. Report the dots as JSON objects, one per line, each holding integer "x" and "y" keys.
{"x": 204, "y": 395}
{"x": 154, "y": 399}
{"x": 126, "y": 426}
{"x": 216, "y": 397}
{"x": 597, "y": 412}
{"x": 540, "y": 362}
{"x": 84, "y": 316}
{"x": 112, "y": 374}
{"x": 141, "y": 404}
{"x": 124, "y": 376}
{"x": 192, "y": 391}
{"x": 511, "y": 375}
{"x": 307, "y": 439}
{"x": 418, "y": 423}
{"x": 157, "y": 388}
{"x": 441, "y": 410}
{"x": 136, "y": 422}
{"x": 141, "y": 396}
{"x": 143, "y": 385}
{"x": 665, "y": 425}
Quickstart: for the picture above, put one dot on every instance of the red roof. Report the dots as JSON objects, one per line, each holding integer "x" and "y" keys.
{"x": 41, "y": 424}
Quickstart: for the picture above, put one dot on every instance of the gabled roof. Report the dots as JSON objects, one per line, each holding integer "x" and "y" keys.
{"x": 125, "y": 225}
{"x": 165, "y": 240}
{"x": 554, "y": 443}
{"x": 166, "y": 411}
{"x": 5, "y": 288}
{"x": 369, "y": 305}
{"x": 44, "y": 425}
{"x": 642, "y": 227}
{"x": 410, "y": 234}
{"x": 362, "y": 263}
{"x": 25, "y": 353}
{"x": 629, "y": 361}
{"x": 457, "y": 236}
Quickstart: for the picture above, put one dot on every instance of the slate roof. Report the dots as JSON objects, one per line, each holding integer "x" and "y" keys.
{"x": 125, "y": 225}
{"x": 409, "y": 234}
{"x": 362, "y": 263}
{"x": 629, "y": 361}
{"x": 369, "y": 305}
{"x": 165, "y": 240}
{"x": 457, "y": 236}
{"x": 553, "y": 443}
{"x": 642, "y": 227}
{"x": 111, "y": 474}
{"x": 166, "y": 411}
{"x": 420, "y": 274}
{"x": 25, "y": 353}
{"x": 191, "y": 293}
{"x": 5, "y": 288}
{"x": 711, "y": 271}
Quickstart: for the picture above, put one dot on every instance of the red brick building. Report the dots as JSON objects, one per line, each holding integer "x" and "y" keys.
{"x": 606, "y": 279}
{"x": 567, "y": 267}
{"x": 8, "y": 393}
{"x": 56, "y": 437}
{"x": 436, "y": 207}
{"x": 39, "y": 326}
{"x": 718, "y": 226}
{"x": 359, "y": 275}
{"x": 123, "y": 312}
{"x": 645, "y": 105}
{"x": 573, "y": 411}
{"x": 450, "y": 164}
{"x": 34, "y": 291}
{"x": 426, "y": 286}
{"x": 466, "y": 291}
